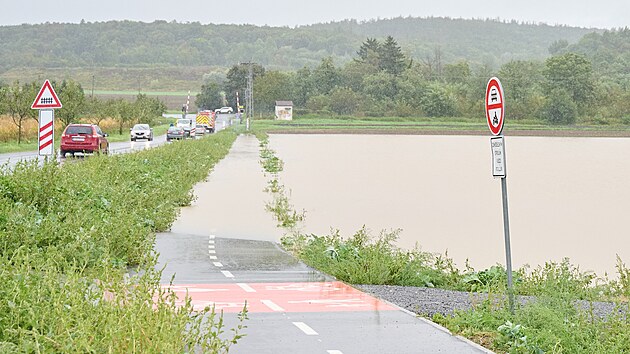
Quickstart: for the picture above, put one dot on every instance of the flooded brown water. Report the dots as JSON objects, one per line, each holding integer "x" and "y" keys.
{"x": 568, "y": 197}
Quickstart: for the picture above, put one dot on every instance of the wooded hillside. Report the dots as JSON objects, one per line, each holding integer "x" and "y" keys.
{"x": 129, "y": 44}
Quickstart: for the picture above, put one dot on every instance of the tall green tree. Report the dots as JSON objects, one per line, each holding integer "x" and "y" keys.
{"x": 391, "y": 58}
{"x": 522, "y": 83}
{"x": 236, "y": 81}
{"x": 124, "y": 112}
{"x": 96, "y": 110}
{"x": 19, "y": 99}
{"x": 210, "y": 97}
{"x": 326, "y": 76}
{"x": 271, "y": 87}
{"x": 73, "y": 100}
{"x": 369, "y": 53}
{"x": 303, "y": 86}
{"x": 382, "y": 86}
{"x": 572, "y": 73}
{"x": 148, "y": 109}
{"x": 457, "y": 73}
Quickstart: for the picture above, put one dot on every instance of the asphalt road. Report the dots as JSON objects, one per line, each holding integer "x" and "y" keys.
{"x": 223, "y": 121}
{"x": 291, "y": 307}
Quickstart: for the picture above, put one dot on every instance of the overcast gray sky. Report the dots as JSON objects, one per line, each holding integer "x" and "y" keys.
{"x": 584, "y": 13}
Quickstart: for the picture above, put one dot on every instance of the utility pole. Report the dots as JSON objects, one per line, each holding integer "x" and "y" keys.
{"x": 249, "y": 94}
{"x": 92, "y": 86}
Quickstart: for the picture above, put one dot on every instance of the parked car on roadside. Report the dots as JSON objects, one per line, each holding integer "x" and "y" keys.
{"x": 176, "y": 133}
{"x": 141, "y": 131}
{"x": 83, "y": 138}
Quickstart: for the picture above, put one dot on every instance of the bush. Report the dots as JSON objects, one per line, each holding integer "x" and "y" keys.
{"x": 439, "y": 103}
{"x": 559, "y": 109}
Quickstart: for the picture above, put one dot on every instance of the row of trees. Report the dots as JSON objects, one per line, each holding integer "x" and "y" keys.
{"x": 381, "y": 80}
{"x": 161, "y": 43}
{"x": 16, "y": 100}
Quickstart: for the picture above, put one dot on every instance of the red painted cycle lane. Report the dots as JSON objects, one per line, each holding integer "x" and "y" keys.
{"x": 279, "y": 297}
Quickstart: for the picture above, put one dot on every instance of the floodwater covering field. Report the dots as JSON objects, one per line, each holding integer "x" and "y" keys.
{"x": 568, "y": 197}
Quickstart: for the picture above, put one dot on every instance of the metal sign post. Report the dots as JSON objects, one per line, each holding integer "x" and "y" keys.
{"x": 46, "y": 134}
{"x": 46, "y": 101}
{"x": 495, "y": 114}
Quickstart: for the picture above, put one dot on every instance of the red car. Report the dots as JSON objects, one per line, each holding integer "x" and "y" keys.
{"x": 83, "y": 138}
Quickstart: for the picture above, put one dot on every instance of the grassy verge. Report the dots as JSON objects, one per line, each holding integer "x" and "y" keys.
{"x": 67, "y": 237}
{"x": 561, "y": 318}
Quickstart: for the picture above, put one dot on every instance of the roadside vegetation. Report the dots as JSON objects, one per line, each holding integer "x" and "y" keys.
{"x": 18, "y": 122}
{"x": 29, "y": 142}
{"x": 76, "y": 254}
{"x": 559, "y": 307}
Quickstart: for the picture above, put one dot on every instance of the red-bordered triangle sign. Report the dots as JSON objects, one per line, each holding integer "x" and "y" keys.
{"x": 46, "y": 98}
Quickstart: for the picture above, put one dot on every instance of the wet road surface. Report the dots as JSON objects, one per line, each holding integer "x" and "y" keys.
{"x": 223, "y": 121}
{"x": 292, "y": 308}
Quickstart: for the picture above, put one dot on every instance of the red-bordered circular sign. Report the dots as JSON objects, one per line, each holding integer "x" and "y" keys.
{"x": 495, "y": 106}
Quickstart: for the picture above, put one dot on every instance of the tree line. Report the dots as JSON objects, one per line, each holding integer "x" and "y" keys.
{"x": 161, "y": 43}
{"x": 16, "y": 100}
{"x": 383, "y": 81}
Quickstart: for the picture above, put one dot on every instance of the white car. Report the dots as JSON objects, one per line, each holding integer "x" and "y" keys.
{"x": 141, "y": 131}
{"x": 224, "y": 110}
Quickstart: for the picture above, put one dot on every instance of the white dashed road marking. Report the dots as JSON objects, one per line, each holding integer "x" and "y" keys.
{"x": 212, "y": 251}
{"x": 272, "y": 306}
{"x": 334, "y": 352}
{"x": 213, "y": 257}
{"x": 227, "y": 274}
{"x": 217, "y": 264}
{"x": 247, "y": 288}
{"x": 305, "y": 328}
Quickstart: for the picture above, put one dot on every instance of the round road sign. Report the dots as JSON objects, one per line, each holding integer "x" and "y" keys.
{"x": 495, "y": 106}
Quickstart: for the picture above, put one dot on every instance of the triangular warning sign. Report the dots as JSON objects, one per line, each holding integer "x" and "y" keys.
{"x": 46, "y": 98}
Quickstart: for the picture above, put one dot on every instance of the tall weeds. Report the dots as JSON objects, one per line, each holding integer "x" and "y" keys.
{"x": 67, "y": 237}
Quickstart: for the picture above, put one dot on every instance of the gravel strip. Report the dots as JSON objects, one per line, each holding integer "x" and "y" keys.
{"x": 429, "y": 301}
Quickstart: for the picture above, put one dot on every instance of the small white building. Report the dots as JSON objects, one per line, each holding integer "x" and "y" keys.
{"x": 284, "y": 110}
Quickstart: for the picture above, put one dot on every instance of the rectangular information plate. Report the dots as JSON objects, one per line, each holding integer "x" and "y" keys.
{"x": 498, "y": 156}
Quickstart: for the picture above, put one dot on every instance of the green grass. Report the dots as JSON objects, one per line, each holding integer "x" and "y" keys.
{"x": 13, "y": 146}
{"x": 551, "y": 323}
{"x": 68, "y": 235}
{"x": 411, "y": 124}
